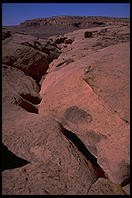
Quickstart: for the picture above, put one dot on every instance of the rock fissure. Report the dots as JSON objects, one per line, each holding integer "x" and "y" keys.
{"x": 82, "y": 148}
{"x": 10, "y": 160}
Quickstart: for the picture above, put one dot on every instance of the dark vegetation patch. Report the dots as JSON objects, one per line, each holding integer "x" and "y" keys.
{"x": 88, "y": 34}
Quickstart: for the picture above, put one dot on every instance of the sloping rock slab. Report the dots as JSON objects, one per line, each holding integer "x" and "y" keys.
{"x": 57, "y": 166}
{"x": 74, "y": 103}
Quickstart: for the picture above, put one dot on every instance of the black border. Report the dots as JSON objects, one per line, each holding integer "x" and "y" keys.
{"x": 51, "y": 1}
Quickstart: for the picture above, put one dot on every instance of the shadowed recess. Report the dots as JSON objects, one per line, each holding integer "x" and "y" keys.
{"x": 32, "y": 99}
{"x": 125, "y": 168}
{"x": 25, "y": 104}
{"x": 10, "y": 161}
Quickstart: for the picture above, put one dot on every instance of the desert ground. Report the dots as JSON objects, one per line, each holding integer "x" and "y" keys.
{"x": 66, "y": 107}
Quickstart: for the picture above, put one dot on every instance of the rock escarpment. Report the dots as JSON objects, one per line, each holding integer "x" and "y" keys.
{"x": 56, "y": 25}
{"x": 73, "y": 131}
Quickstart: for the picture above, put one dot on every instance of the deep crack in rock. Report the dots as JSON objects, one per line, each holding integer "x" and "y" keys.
{"x": 82, "y": 148}
{"x": 10, "y": 161}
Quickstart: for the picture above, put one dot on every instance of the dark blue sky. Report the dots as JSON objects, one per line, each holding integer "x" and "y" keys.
{"x": 15, "y": 13}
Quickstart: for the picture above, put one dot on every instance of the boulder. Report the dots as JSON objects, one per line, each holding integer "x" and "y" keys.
{"x": 55, "y": 167}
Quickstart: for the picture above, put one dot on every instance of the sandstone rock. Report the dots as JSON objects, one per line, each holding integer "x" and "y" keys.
{"x": 76, "y": 139}
{"x": 45, "y": 27}
{"x": 104, "y": 187}
{"x": 127, "y": 189}
{"x": 75, "y": 104}
{"x": 82, "y": 117}
{"x": 57, "y": 166}
{"x": 28, "y": 55}
{"x": 18, "y": 89}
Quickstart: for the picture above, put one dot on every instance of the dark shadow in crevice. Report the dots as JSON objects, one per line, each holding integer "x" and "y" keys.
{"x": 28, "y": 106}
{"x": 11, "y": 161}
{"x": 125, "y": 182}
{"x": 30, "y": 98}
{"x": 82, "y": 148}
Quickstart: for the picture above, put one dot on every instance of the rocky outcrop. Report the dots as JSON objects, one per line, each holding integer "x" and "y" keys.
{"x": 27, "y": 54}
{"x": 18, "y": 90}
{"x": 79, "y": 109}
{"x": 56, "y": 165}
{"x": 45, "y": 27}
{"x": 71, "y": 135}
{"x": 76, "y": 21}
{"x": 104, "y": 187}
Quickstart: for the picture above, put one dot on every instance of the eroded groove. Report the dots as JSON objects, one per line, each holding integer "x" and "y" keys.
{"x": 28, "y": 106}
{"x": 10, "y": 161}
{"x": 82, "y": 148}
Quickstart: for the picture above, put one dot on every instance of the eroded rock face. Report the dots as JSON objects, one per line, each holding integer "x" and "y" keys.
{"x": 28, "y": 54}
{"x": 45, "y": 27}
{"x": 18, "y": 90}
{"x": 71, "y": 135}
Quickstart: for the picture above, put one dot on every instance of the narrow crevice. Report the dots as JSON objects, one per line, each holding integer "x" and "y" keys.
{"x": 82, "y": 148}
{"x": 125, "y": 182}
{"x": 125, "y": 120}
{"x": 11, "y": 161}
{"x": 30, "y": 98}
{"x": 28, "y": 106}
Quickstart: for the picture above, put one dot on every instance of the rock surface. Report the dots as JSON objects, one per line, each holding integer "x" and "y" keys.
{"x": 104, "y": 187}
{"x": 28, "y": 54}
{"x": 65, "y": 108}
